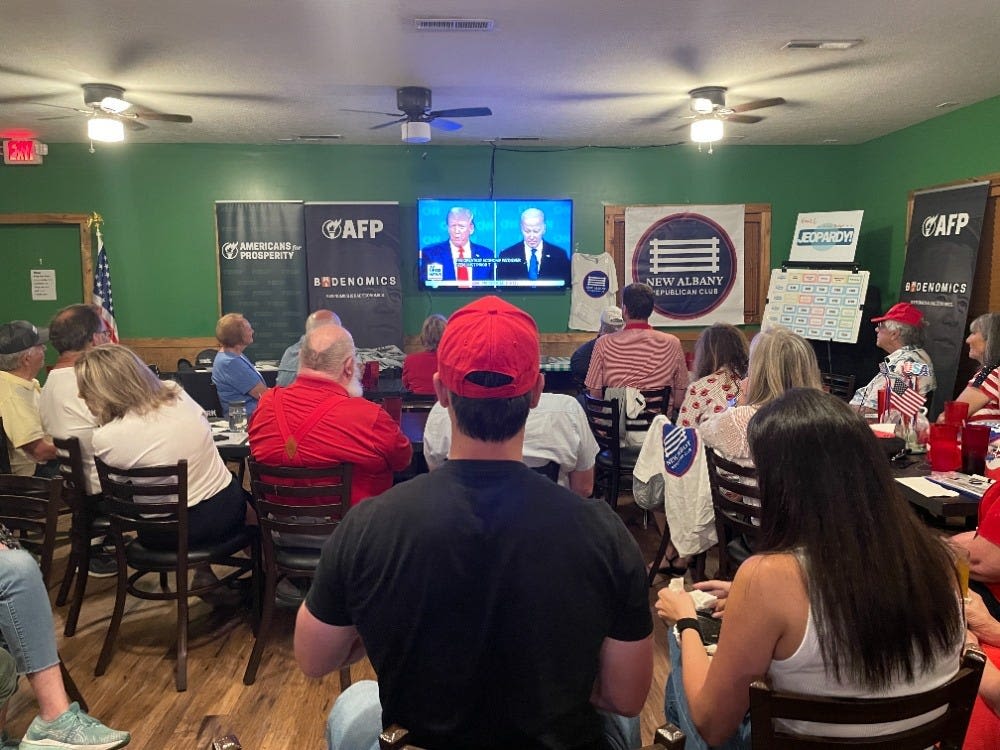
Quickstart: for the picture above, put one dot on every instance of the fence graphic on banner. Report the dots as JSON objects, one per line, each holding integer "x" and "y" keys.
{"x": 674, "y": 255}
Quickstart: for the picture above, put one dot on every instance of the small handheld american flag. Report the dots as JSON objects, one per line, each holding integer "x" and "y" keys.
{"x": 905, "y": 399}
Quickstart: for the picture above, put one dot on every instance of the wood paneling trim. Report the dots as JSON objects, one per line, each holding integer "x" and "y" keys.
{"x": 164, "y": 352}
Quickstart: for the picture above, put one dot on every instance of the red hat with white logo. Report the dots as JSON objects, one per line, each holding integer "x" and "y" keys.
{"x": 902, "y": 312}
{"x": 489, "y": 336}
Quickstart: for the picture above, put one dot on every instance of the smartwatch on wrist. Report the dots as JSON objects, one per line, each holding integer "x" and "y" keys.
{"x": 691, "y": 623}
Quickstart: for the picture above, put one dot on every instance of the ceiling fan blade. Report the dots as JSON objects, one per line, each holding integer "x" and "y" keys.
{"x": 404, "y": 118}
{"x": 747, "y": 119}
{"x": 467, "y": 112}
{"x": 146, "y": 114}
{"x": 56, "y": 117}
{"x": 759, "y": 104}
{"x": 134, "y": 125}
{"x": 27, "y": 98}
{"x": 60, "y": 106}
{"x": 372, "y": 112}
{"x": 442, "y": 124}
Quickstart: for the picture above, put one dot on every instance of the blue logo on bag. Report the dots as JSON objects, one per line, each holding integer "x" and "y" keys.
{"x": 680, "y": 446}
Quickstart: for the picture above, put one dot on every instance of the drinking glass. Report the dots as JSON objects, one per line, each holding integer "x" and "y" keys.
{"x": 945, "y": 454}
{"x": 956, "y": 412}
{"x": 975, "y": 444}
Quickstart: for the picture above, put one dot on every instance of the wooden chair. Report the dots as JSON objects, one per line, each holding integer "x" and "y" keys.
{"x": 947, "y": 731}
{"x": 29, "y": 507}
{"x": 549, "y": 469}
{"x": 200, "y": 387}
{"x": 4, "y": 455}
{"x": 154, "y": 500}
{"x": 87, "y": 523}
{"x": 602, "y": 416}
{"x": 668, "y": 736}
{"x": 394, "y": 737}
{"x": 841, "y": 386}
{"x": 307, "y": 502}
{"x": 734, "y": 519}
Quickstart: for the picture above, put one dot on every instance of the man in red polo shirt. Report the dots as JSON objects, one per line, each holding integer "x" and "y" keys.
{"x": 322, "y": 418}
{"x": 638, "y": 356}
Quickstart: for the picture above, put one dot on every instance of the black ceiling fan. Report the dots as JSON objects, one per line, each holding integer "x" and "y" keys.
{"x": 108, "y": 100}
{"x": 414, "y": 103}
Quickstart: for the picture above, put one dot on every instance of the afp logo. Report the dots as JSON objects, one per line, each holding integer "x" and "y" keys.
{"x": 351, "y": 229}
{"x": 230, "y": 250}
{"x": 943, "y": 225}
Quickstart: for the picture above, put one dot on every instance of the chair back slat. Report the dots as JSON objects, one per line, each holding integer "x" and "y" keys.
{"x": 947, "y": 730}
{"x": 155, "y": 507}
{"x": 603, "y": 418}
{"x": 4, "y": 454}
{"x": 29, "y": 506}
{"x": 69, "y": 456}
{"x": 730, "y": 482}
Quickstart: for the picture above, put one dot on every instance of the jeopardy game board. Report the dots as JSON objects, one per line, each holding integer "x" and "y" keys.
{"x": 817, "y": 304}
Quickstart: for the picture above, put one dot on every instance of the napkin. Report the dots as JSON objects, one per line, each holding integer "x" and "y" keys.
{"x": 926, "y": 487}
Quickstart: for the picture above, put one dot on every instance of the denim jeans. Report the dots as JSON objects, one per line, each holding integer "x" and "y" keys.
{"x": 25, "y": 614}
{"x": 356, "y": 720}
{"x": 675, "y": 707}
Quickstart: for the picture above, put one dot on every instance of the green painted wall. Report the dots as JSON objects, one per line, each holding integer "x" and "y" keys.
{"x": 157, "y": 200}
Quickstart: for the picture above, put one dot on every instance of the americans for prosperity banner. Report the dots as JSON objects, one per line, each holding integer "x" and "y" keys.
{"x": 352, "y": 268}
{"x": 692, "y": 257}
{"x": 261, "y": 270}
{"x": 945, "y": 231}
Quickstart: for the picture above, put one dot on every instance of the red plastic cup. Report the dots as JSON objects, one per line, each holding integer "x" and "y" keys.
{"x": 883, "y": 401}
{"x": 956, "y": 412}
{"x": 944, "y": 451}
{"x": 975, "y": 444}
{"x": 369, "y": 379}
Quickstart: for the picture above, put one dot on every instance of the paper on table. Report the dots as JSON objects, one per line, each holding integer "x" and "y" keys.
{"x": 926, "y": 487}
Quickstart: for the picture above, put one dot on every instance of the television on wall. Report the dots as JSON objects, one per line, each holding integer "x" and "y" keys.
{"x": 494, "y": 245}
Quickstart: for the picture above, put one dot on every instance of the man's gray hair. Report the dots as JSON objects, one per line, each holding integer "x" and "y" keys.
{"x": 908, "y": 335}
{"x": 10, "y": 362}
{"x": 327, "y": 360}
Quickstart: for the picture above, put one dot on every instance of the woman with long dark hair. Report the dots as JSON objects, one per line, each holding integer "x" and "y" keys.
{"x": 848, "y": 596}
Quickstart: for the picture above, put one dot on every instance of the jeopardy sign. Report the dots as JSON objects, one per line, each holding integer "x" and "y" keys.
{"x": 823, "y": 305}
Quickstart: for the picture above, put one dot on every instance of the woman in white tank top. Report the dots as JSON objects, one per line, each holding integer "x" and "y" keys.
{"x": 849, "y": 596}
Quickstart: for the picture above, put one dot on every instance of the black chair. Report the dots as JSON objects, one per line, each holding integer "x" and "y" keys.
{"x": 29, "y": 507}
{"x": 947, "y": 731}
{"x": 394, "y": 737}
{"x": 200, "y": 387}
{"x": 184, "y": 364}
{"x": 87, "y": 523}
{"x": 154, "y": 500}
{"x": 205, "y": 358}
{"x": 549, "y": 469}
{"x": 4, "y": 455}
{"x": 734, "y": 518}
{"x": 306, "y": 502}
{"x": 602, "y": 416}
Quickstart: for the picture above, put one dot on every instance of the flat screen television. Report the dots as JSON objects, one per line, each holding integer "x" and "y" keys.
{"x": 506, "y": 244}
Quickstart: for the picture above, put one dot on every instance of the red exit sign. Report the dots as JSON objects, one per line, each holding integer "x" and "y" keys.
{"x": 22, "y": 151}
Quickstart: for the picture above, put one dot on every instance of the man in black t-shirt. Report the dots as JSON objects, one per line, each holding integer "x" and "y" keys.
{"x": 498, "y": 609}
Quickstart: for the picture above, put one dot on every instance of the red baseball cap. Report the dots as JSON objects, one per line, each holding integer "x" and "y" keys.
{"x": 902, "y": 312}
{"x": 489, "y": 335}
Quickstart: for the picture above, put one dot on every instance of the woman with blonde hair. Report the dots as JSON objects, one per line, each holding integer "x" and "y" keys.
{"x": 419, "y": 367}
{"x": 143, "y": 421}
{"x": 779, "y": 360}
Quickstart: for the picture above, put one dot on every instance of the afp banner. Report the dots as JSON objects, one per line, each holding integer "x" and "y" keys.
{"x": 692, "y": 257}
{"x": 945, "y": 231}
{"x": 352, "y": 268}
{"x": 261, "y": 270}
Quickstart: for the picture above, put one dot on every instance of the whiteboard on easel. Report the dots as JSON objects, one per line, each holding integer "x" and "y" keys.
{"x": 825, "y": 305}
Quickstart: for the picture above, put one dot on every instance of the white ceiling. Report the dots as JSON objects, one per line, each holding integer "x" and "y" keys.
{"x": 573, "y": 72}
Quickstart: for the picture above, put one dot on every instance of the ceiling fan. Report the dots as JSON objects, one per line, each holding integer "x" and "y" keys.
{"x": 110, "y": 113}
{"x": 417, "y": 118}
{"x": 708, "y": 105}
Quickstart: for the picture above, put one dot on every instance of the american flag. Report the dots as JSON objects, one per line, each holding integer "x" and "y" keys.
{"x": 904, "y": 398}
{"x": 102, "y": 288}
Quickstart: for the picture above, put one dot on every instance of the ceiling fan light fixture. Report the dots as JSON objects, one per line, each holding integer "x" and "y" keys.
{"x": 706, "y": 130}
{"x": 416, "y": 132}
{"x": 114, "y": 104}
{"x": 105, "y": 129}
{"x": 702, "y": 106}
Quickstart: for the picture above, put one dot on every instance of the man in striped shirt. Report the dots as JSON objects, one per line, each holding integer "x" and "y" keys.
{"x": 638, "y": 356}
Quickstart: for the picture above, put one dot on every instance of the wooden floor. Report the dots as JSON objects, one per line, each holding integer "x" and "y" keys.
{"x": 282, "y": 710}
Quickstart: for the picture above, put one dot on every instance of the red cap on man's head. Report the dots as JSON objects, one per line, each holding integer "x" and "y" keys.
{"x": 489, "y": 335}
{"x": 902, "y": 312}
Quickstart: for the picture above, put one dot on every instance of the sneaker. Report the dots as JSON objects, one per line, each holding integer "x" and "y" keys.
{"x": 102, "y": 563}
{"x": 72, "y": 730}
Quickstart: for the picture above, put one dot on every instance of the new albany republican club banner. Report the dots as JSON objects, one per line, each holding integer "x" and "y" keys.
{"x": 352, "y": 268}
{"x": 941, "y": 252}
{"x": 261, "y": 270}
{"x": 692, "y": 257}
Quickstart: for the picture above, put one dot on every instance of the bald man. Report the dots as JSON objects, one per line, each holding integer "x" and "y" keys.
{"x": 289, "y": 366}
{"x": 326, "y": 420}
{"x": 533, "y": 258}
